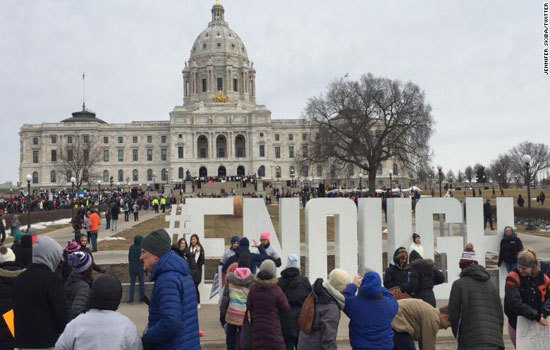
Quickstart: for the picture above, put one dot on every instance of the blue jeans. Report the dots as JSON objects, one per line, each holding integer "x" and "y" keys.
{"x": 114, "y": 225}
{"x": 510, "y": 266}
{"x": 140, "y": 276}
{"x": 92, "y": 235}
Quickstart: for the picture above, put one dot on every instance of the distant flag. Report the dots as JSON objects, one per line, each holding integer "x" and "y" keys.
{"x": 345, "y": 76}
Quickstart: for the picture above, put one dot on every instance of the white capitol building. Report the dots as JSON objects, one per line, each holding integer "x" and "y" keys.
{"x": 218, "y": 131}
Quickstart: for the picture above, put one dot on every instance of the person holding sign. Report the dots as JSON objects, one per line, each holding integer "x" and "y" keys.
{"x": 527, "y": 293}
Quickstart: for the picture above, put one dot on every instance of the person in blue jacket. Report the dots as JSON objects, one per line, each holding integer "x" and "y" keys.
{"x": 371, "y": 312}
{"x": 173, "y": 319}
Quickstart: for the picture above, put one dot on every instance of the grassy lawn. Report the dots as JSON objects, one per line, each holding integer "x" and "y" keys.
{"x": 216, "y": 226}
{"x": 488, "y": 194}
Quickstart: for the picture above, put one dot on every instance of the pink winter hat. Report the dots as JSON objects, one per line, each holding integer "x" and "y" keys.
{"x": 242, "y": 273}
{"x": 264, "y": 235}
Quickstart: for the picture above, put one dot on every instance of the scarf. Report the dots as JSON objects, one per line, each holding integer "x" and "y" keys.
{"x": 335, "y": 294}
{"x": 194, "y": 250}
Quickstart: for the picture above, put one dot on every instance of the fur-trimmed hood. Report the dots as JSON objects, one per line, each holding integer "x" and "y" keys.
{"x": 10, "y": 269}
{"x": 268, "y": 283}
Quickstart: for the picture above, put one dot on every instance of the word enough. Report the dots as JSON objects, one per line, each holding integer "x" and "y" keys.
{"x": 358, "y": 241}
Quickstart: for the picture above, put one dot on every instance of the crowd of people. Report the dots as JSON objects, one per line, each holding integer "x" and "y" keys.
{"x": 57, "y": 298}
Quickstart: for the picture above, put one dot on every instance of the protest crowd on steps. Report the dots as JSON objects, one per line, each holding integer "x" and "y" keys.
{"x": 60, "y": 299}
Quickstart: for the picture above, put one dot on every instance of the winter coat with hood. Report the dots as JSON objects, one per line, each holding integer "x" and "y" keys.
{"x": 422, "y": 279}
{"x": 475, "y": 309}
{"x": 510, "y": 246}
{"x": 372, "y": 329}
{"x": 9, "y": 270}
{"x": 173, "y": 319}
{"x": 135, "y": 264}
{"x": 296, "y": 289}
{"x": 101, "y": 327}
{"x": 325, "y": 324}
{"x": 235, "y": 295}
{"x": 39, "y": 301}
{"x": 395, "y": 275}
{"x": 526, "y": 296}
{"x": 77, "y": 293}
{"x": 265, "y": 300}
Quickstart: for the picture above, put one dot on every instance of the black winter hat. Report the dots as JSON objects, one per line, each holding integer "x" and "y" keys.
{"x": 157, "y": 243}
{"x": 106, "y": 293}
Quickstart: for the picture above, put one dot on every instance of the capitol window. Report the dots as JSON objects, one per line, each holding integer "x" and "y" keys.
{"x": 277, "y": 152}
{"x": 235, "y": 85}
{"x": 163, "y": 154}
{"x": 163, "y": 139}
{"x": 180, "y": 152}
{"x": 290, "y": 151}
{"x": 53, "y": 139}
{"x": 220, "y": 84}
{"x": 35, "y": 157}
{"x": 135, "y": 155}
{"x": 53, "y": 155}
{"x": 134, "y": 139}
{"x": 291, "y": 137}
{"x": 262, "y": 151}
{"x": 69, "y": 139}
{"x": 120, "y": 155}
{"x": 105, "y": 139}
{"x": 35, "y": 140}
{"x": 120, "y": 139}
{"x": 149, "y": 139}
{"x": 149, "y": 155}
{"x": 203, "y": 84}
{"x": 276, "y": 137}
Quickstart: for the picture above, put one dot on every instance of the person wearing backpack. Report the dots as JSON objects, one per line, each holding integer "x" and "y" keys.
{"x": 296, "y": 289}
{"x": 372, "y": 329}
{"x": 323, "y": 321}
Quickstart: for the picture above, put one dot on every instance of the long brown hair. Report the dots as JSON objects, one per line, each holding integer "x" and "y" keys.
{"x": 198, "y": 241}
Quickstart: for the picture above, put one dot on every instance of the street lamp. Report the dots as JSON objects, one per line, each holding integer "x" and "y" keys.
{"x": 390, "y": 172}
{"x": 440, "y": 176}
{"x": 527, "y": 161}
{"x": 29, "y": 179}
{"x": 361, "y": 182}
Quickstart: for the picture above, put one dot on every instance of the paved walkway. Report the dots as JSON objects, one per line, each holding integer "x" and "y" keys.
{"x": 214, "y": 337}
{"x": 62, "y": 236}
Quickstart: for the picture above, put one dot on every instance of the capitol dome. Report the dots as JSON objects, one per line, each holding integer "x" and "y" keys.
{"x": 218, "y": 69}
{"x": 218, "y": 39}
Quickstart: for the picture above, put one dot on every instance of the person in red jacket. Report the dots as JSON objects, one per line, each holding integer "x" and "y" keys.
{"x": 93, "y": 224}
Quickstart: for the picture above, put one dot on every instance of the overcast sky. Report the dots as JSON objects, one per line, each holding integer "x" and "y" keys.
{"x": 479, "y": 62}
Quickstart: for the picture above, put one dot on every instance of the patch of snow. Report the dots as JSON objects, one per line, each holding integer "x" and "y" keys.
{"x": 111, "y": 239}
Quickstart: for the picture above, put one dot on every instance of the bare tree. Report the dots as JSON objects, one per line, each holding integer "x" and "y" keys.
{"x": 540, "y": 159}
{"x": 469, "y": 173}
{"x": 500, "y": 170}
{"x": 451, "y": 174}
{"x": 370, "y": 121}
{"x": 79, "y": 159}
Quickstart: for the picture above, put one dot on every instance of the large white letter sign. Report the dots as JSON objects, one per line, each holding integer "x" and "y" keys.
{"x": 345, "y": 235}
{"x": 289, "y": 227}
{"x": 192, "y": 215}
{"x": 399, "y": 224}
{"x": 425, "y": 208}
{"x": 369, "y": 234}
